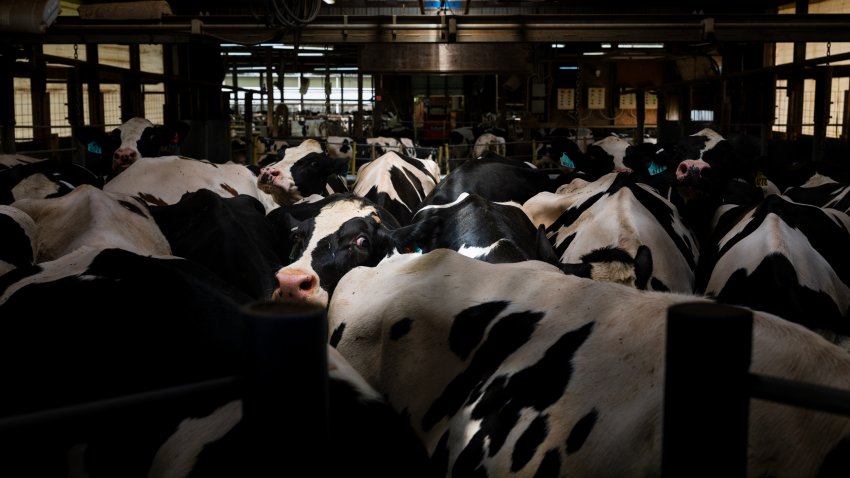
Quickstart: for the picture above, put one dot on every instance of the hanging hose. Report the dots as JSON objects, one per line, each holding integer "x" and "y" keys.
{"x": 294, "y": 16}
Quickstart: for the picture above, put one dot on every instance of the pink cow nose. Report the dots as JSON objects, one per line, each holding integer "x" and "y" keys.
{"x": 691, "y": 168}
{"x": 268, "y": 174}
{"x": 295, "y": 285}
{"x": 124, "y": 156}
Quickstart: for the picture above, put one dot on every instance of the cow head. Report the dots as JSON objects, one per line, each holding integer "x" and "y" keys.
{"x": 303, "y": 171}
{"x": 136, "y": 138}
{"x": 329, "y": 238}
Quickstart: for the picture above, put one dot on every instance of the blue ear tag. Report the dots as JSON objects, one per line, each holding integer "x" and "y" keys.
{"x": 567, "y": 162}
{"x": 95, "y": 148}
{"x": 656, "y": 168}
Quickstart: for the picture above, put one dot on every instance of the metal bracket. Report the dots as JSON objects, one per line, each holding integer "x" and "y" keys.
{"x": 196, "y": 26}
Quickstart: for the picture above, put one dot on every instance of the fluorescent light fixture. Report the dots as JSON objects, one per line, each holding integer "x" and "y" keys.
{"x": 250, "y": 68}
{"x": 557, "y": 45}
{"x": 310, "y": 53}
{"x": 640, "y": 45}
{"x": 568, "y": 68}
{"x": 237, "y": 53}
{"x": 305, "y": 47}
{"x": 593, "y": 53}
{"x": 606, "y": 45}
{"x": 329, "y": 2}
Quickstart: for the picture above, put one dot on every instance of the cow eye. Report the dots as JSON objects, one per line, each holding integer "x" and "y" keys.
{"x": 362, "y": 241}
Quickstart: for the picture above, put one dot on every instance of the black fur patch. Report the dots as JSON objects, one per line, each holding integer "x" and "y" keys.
{"x": 528, "y": 442}
{"x": 17, "y": 247}
{"x": 550, "y": 465}
{"x": 581, "y": 430}
{"x": 468, "y": 463}
{"x": 658, "y": 285}
{"x": 538, "y": 386}
{"x": 505, "y": 337}
{"x": 440, "y": 457}
{"x": 837, "y": 462}
{"x": 469, "y": 325}
{"x": 336, "y": 336}
{"x": 400, "y": 328}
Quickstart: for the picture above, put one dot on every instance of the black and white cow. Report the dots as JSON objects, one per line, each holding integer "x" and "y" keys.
{"x": 304, "y": 170}
{"x": 489, "y": 142}
{"x": 367, "y": 438}
{"x": 785, "y": 258}
{"x": 625, "y": 231}
{"x": 610, "y": 150}
{"x": 703, "y": 171}
{"x": 231, "y": 236}
{"x": 164, "y": 180}
{"x": 329, "y": 238}
{"x": 24, "y": 177}
{"x": 89, "y": 217}
{"x": 821, "y": 191}
{"x": 18, "y": 231}
{"x": 134, "y": 139}
{"x": 397, "y": 183}
{"x": 536, "y": 373}
{"x": 492, "y": 177}
{"x": 270, "y": 150}
{"x": 484, "y": 230}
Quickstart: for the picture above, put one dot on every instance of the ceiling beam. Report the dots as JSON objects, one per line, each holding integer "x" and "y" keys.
{"x": 469, "y": 29}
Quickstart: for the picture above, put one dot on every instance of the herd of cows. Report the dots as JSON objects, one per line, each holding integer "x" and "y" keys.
{"x": 496, "y": 321}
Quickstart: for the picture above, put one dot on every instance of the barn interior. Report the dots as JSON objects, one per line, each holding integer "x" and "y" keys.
{"x": 640, "y": 70}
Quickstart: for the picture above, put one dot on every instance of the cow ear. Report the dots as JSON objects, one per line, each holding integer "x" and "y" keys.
{"x": 545, "y": 250}
{"x": 421, "y": 236}
{"x": 643, "y": 267}
{"x": 94, "y": 139}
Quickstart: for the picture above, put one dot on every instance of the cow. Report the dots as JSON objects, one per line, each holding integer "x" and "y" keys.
{"x": 367, "y": 438}
{"x": 304, "y": 170}
{"x": 164, "y": 180}
{"x": 611, "y": 150}
{"x": 93, "y": 218}
{"x": 821, "y": 191}
{"x": 136, "y": 138}
{"x": 231, "y": 236}
{"x": 270, "y": 150}
{"x": 18, "y": 231}
{"x": 397, "y": 183}
{"x": 329, "y": 238}
{"x": 489, "y": 142}
{"x": 625, "y": 231}
{"x": 461, "y": 140}
{"x": 537, "y": 373}
{"x": 492, "y": 177}
{"x": 484, "y": 230}
{"x": 25, "y": 177}
{"x": 703, "y": 171}
{"x": 782, "y": 257}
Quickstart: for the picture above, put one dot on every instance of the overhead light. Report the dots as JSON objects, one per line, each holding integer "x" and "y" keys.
{"x": 593, "y": 53}
{"x": 568, "y": 68}
{"x": 310, "y": 53}
{"x": 640, "y": 45}
{"x": 336, "y": 68}
{"x": 237, "y": 53}
{"x": 329, "y": 2}
{"x": 606, "y": 45}
{"x": 280, "y": 46}
{"x": 558, "y": 45}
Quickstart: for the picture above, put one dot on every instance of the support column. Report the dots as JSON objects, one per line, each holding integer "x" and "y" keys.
{"x": 823, "y": 90}
{"x": 40, "y": 99}
{"x": 7, "y": 101}
{"x": 96, "y": 114}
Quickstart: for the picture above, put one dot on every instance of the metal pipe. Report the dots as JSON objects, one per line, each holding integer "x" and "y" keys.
{"x": 706, "y": 404}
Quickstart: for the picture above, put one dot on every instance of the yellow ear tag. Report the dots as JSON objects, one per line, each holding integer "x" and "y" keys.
{"x": 761, "y": 180}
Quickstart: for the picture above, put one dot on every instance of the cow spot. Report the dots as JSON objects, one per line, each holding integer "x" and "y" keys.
{"x": 400, "y": 328}
{"x": 132, "y": 208}
{"x": 336, "y": 336}
{"x": 581, "y": 430}
{"x": 505, "y": 337}
{"x": 527, "y": 444}
{"x": 837, "y": 461}
{"x": 469, "y": 325}
{"x": 151, "y": 199}
{"x": 229, "y": 189}
{"x": 550, "y": 465}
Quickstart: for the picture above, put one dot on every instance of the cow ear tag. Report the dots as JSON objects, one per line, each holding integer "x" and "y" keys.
{"x": 94, "y": 147}
{"x": 567, "y": 162}
{"x": 656, "y": 168}
{"x": 761, "y": 180}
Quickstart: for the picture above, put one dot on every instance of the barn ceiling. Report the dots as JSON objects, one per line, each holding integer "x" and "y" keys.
{"x": 332, "y": 33}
